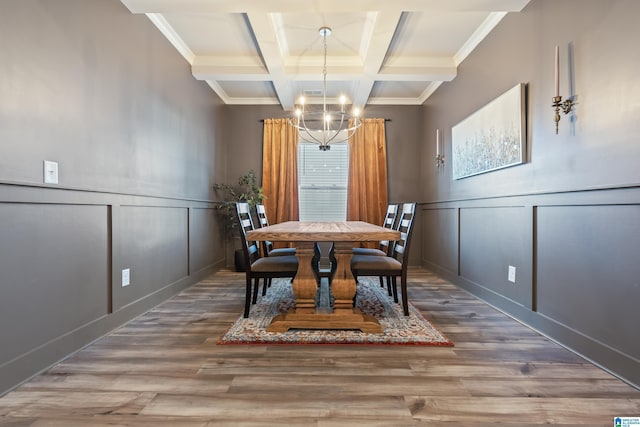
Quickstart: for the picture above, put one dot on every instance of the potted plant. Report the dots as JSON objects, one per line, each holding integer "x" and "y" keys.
{"x": 246, "y": 190}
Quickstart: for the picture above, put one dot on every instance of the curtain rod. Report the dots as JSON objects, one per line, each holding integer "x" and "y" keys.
{"x": 262, "y": 120}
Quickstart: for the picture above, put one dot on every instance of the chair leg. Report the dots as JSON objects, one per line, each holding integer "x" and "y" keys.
{"x": 405, "y": 300}
{"x": 267, "y": 283}
{"x": 256, "y": 285}
{"x": 247, "y": 298}
{"x": 381, "y": 280}
{"x": 394, "y": 287}
{"x": 389, "y": 286}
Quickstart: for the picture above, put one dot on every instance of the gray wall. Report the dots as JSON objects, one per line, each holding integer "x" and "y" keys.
{"x": 138, "y": 141}
{"x": 567, "y": 219}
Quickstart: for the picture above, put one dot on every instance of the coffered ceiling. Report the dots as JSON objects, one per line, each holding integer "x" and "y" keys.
{"x": 270, "y": 51}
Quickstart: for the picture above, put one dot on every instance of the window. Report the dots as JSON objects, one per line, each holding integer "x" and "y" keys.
{"x": 322, "y": 182}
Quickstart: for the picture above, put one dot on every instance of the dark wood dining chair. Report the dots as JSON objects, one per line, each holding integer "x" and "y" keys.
{"x": 394, "y": 265}
{"x": 257, "y": 266}
{"x": 267, "y": 246}
{"x": 384, "y": 247}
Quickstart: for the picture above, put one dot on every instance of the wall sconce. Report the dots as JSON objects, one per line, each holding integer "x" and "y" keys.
{"x": 558, "y": 104}
{"x": 439, "y": 150}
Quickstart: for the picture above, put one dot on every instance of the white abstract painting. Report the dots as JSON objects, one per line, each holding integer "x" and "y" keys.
{"x": 492, "y": 137}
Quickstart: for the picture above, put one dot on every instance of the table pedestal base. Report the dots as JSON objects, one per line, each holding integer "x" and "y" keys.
{"x": 343, "y": 288}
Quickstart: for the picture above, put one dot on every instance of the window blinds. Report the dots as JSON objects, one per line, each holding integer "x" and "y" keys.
{"x": 322, "y": 182}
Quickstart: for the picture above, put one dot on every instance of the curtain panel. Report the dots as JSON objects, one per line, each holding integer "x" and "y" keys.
{"x": 280, "y": 170}
{"x": 367, "y": 196}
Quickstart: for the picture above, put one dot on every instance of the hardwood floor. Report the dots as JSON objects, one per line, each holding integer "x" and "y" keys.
{"x": 165, "y": 369}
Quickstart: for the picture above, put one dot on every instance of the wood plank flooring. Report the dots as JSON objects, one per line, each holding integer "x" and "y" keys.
{"x": 165, "y": 369}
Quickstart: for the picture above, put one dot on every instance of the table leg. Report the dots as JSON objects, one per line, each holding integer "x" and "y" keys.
{"x": 305, "y": 286}
{"x": 343, "y": 285}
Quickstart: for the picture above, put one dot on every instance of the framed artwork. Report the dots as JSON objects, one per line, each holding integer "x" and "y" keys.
{"x": 491, "y": 138}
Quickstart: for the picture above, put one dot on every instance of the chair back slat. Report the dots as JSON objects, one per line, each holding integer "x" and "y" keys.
{"x": 400, "y": 249}
{"x": 389, "y": 222}
{"x": 261, "y": 213}
{"x": 250, "y": 248}
{"x": 390, "y": 217}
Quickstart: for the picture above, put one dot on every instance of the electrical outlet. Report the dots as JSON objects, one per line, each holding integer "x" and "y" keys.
{"x": 512, "y": 274}
{"x": 50, "y": 172}
{"x": 125, "y": 277}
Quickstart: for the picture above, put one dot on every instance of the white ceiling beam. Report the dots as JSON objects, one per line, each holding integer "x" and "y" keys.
{"x": 293, "y": 62}
{"x": 310, "y": 74}
{"x": 380, "y": 37}
{"x": 240, "y": 101}
{"x": 405, "y": 68}
{"x": 238, "y": 68}
{"x": 394, "y": 101}
{"x": 415, "y": 75}
{"x": 230, "y": 74}
{"x": 267, "y": 39}
{"x": 426, "y": 93}
{"x": 324, "y": 6}
{"x": 418, "y": 75}
{"x": 245, "y": 69}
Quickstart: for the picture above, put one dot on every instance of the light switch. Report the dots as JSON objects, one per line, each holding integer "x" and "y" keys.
{"x": 125, "y": 277}
{"x": 50, "y": 172}
{"x": 512, "y": 274}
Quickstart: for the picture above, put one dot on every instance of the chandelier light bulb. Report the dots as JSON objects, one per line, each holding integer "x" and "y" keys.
{"x": 343, "y": 99}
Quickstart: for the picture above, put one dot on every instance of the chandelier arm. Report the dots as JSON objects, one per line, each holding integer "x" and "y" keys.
{"x": 308, "y": 131}
{"x": 312, "y": 139}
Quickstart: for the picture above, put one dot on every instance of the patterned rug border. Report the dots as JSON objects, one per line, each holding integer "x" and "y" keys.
{"x": 371, "y": 299}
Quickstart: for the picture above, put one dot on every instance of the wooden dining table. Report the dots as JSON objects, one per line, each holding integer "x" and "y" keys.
{"x": 343, "y": 314}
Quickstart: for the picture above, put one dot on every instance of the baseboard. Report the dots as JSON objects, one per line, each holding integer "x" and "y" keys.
{"x": 619, "y": 364}
{"x": 26, "y": 366}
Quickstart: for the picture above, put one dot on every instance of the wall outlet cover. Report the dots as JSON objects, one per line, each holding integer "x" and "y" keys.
{"x": 512, "y": 274}
{"x": 50, "y": 172}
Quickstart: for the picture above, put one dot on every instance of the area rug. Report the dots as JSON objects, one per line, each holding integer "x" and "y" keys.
{"x": 371, "y": 299}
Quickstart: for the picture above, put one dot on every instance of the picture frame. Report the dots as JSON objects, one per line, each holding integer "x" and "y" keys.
{"x": 491, "y": 138}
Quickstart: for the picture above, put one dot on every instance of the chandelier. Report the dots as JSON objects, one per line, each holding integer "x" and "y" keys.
{"x": 326, "y": 126}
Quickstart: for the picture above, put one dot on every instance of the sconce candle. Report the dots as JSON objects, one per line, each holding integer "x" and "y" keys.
{"x": 437, "y": 142}
{"x": 557, "y": 75}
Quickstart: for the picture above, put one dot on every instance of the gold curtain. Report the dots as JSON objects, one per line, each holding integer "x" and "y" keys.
{"x": 280, "y": 170}
{"x": 367, "y": 196}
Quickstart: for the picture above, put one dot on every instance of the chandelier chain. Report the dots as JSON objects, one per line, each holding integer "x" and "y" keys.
{"x": 324, "y": 72}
